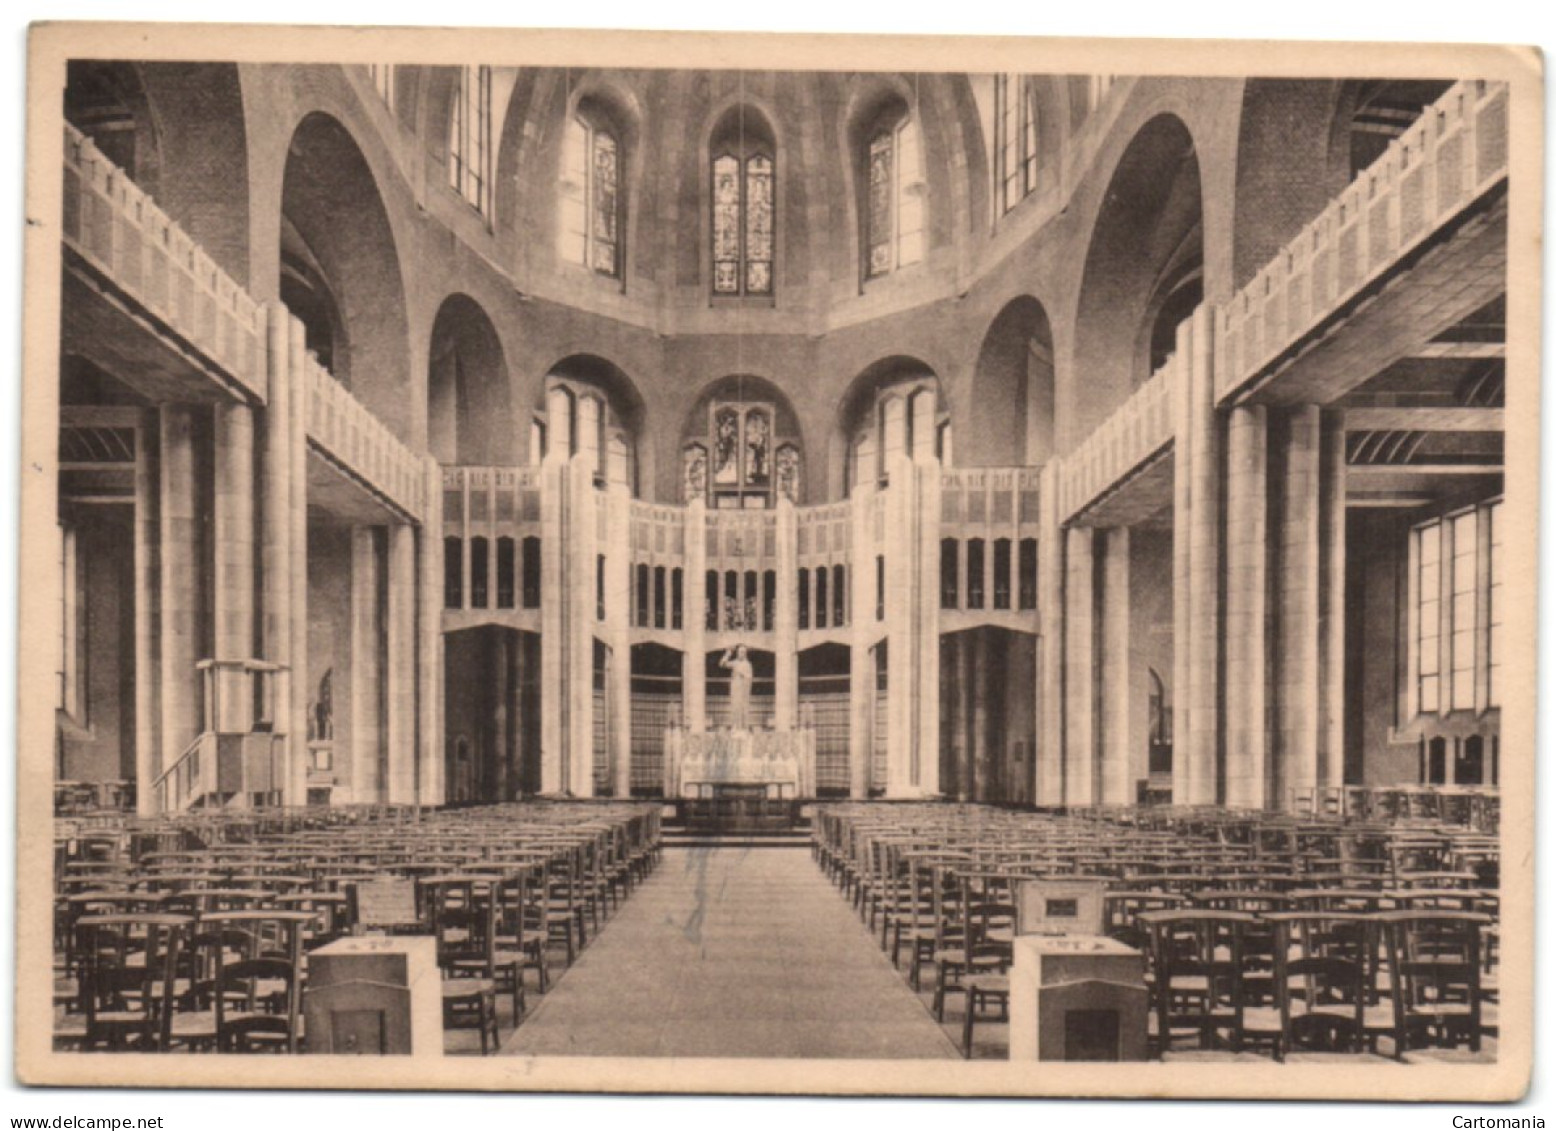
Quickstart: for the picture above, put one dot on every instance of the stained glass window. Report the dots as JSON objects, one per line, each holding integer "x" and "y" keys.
{"x": 726, "y": 225}
{"x": 743, "y": 224}
{"x": 759, "y": 225}
{"x": 694, "y": 472}
{"x": 787, "y": 466}
{"x": 752, "y": 463}
{"x": 470, "y": 138}
{"x": 589, "y": 231}
{"x": 895, "y": 202}
{"x": 880, "y": 203}
{"x": 603, "y": 201}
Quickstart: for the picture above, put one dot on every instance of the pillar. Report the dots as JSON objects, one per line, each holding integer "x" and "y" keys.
{"x": 924, "y": 633}
{"x": 502, "y": 715}
{"x": 1202, "y": 526}
{"x": 367, "y": 786}
{"x": 555, "y": 583}
{"x": 864, "y": 631}
{"x": 233, "y": 538}
{"x": 964, "y": 742}
{"x": 148, "y": 723}
{"x": 429, "y": 643}
{"x": 1247, "y": 636}
{"x": 902, "y": 770}
{"x": 1048, "y": 753}
{"x": 277, "y": 528}
{"x": 298, "y": 365}
{"x": 1079, "y": 667}
{"x": 399, "y": 674}
{"x": 617, "y": 548}
{"x": 980, "y": 688}
{"x": 1298, "y": 684}
{"x": 180, "y": 584}
{"x": 582, "y": 548}
{"x": 1115, "y": 685}
{"x": 786, "y": 686}
{"x": 1331, "y": 772}
{"x": 694, "y": 619}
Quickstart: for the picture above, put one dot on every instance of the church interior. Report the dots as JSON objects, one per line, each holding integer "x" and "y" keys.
{"x": 948, "y": 515}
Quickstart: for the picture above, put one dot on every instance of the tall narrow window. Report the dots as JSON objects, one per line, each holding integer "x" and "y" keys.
{"x": 505, "y": 572}
{"x": 1494, "y": 606}
{"x": 1027, "y": 588}
{"x": 479, "y": 571}
{"x": 949, "y": 582}
{"x": 1002, "y": 573}
{"x": 894, "y": 198}
{"x": 470, "y": 138}
{"x": 743, "y": 223}
{"x": 591, "y": 196}
{"x": 975, "y": 573}
{"x": 1465, "y": 537}
{"x": 1429, "y": 615}
{"x": 1015, "y": 140}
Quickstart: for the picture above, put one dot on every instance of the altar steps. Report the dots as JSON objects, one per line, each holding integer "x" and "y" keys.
{"x": 686, "y": 838}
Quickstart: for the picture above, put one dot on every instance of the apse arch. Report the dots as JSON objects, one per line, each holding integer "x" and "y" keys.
{"x": 1010, "y": 406}
{"x": 332, "y": 207}
{"x": 757, "y": 410}
{"x": 858, "y": 449}
{"x": 625, "y": 417}
{"x": 1146, "y": 247}
{"x": 469, "y": 401}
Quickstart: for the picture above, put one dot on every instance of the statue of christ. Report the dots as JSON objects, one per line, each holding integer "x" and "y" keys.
{"x": 738, "y": 665}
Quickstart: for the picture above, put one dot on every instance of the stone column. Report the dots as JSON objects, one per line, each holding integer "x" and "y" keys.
{"x": 863, "y": 633}
{"x": 1299, "y": 684}
{"x": 1331, "y": 771}
{"x": 278, "y": 529}
{"x": 1182, "y": 523}
{"x": 618, "y": 630}
{"x": 180, "y": 582}
{"x": 502, "y": 720}
{"x": 233, "y": 538}
{"x": 298, "y": 365}
{"x": 148, "y": 569}
{"x": 1115, "y": 674}
{"x": 1204, "y": 593}
{"x": 786, "y": 686}
{"x": 582, "y": 548}
{"x": 1247, "y": 636}
{"x": 555, "y": 584}
{"x": 979, "y": 687}
{"x": 900, "y": 550}
{"x": 429, "y": 644}
{"x": 925, "y": 631}
{"x": 962, "y": 740}
{"x": 367, "y": 737}
{"x": 1048, "y": 753}
{"x": 1080, "y": 669}
{"x": 400, "y": 681}
{"x": 694, "y": 619}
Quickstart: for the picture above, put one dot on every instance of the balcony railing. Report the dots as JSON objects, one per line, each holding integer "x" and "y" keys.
{"x": 1142, "y": 425}
{"x": 359, "y": 442}
{"x": 1449, "y": 158}
{"x": 989, "y": 496}
{"x": 490, "y": 496}
{"x": 658, "y": 530}
{"x": 117, "y": 228}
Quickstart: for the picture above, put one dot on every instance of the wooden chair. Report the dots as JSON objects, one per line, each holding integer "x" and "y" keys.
{"x": 1197, "y": 962}
{"x": 128, "y": 977}
{"x": 1434, "y": 965}
{"x": 465, "y": 927}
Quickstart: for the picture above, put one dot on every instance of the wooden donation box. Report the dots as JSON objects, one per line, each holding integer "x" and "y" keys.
{"x": 375, "y": 996}
{"x": 1075, "y": 994}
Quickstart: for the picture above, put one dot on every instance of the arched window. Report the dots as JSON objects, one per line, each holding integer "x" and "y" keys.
{"x": 894, "y": 194}
{"x": 742, "y": 466}
{"x": 470, "y": 138}
{"x": 742, "y": 200}
{"x": 591, "y": 193}
{"x": 1015, "y": 140}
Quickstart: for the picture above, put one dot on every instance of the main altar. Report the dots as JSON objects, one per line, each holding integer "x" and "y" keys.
{"x": 703, "y": 764}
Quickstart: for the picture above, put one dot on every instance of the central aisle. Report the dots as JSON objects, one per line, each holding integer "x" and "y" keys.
{"x": 733, "y": 952}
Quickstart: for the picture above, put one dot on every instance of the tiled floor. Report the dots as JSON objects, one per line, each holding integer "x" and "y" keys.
{"x": 733, "y": 953}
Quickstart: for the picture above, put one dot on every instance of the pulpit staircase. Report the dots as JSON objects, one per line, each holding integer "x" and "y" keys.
{"x": 238, "y": 760}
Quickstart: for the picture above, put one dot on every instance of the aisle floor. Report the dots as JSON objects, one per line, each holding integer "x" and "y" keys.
{"x": 732, "y": 952}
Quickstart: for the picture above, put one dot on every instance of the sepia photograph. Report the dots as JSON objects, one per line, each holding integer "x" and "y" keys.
{"x": 830, "y": 565}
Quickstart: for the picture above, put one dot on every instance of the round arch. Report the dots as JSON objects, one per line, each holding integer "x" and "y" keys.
{"x": 626, "y": 410}
{"x": 1010, "y": 408}
{"x": 469, "y": 404}
{"x": 331, "y": 204}
{"x": 1146, "y": 245}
